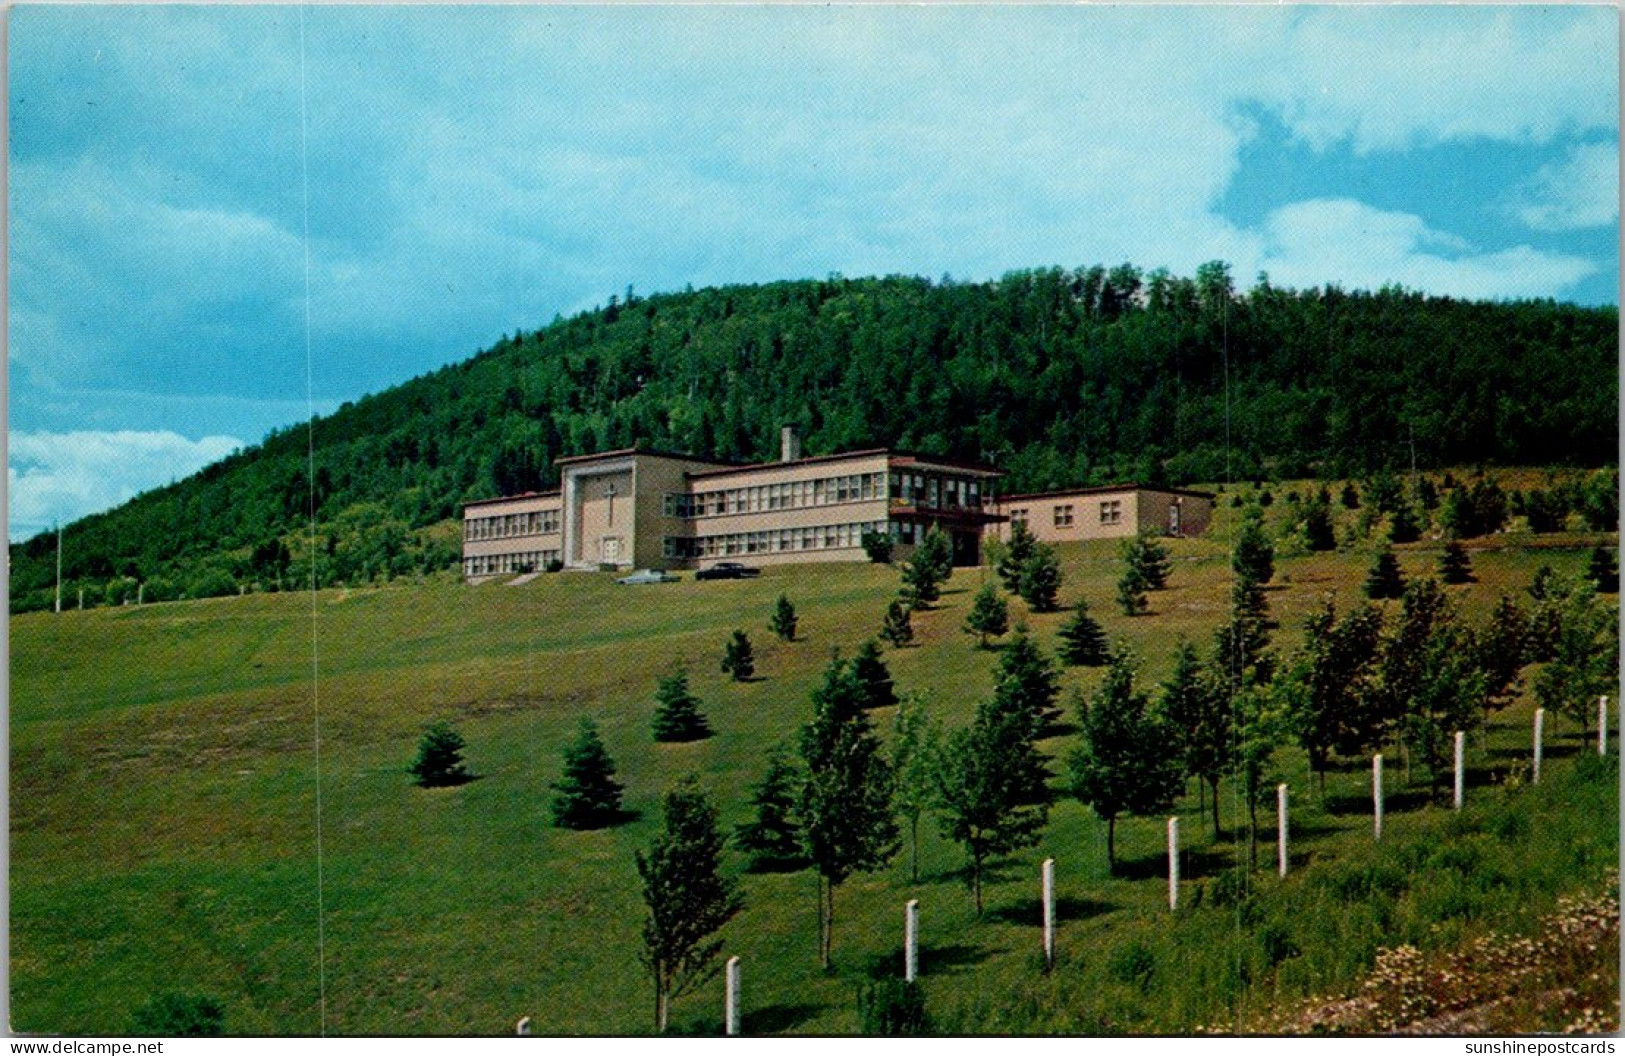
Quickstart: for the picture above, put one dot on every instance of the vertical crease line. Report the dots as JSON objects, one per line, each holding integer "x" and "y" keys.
{"x": 310, "y": 464}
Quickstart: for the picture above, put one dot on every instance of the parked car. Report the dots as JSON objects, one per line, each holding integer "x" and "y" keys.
{"x": 727, "y": 570}
{"x": 647, "y": 575}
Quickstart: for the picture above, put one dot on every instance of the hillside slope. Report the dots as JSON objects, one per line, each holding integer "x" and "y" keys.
{"x": 1062, "y": 376}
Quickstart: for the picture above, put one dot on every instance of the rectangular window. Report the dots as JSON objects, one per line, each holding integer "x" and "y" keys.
{"x": 1111, "y": 512}
{"x": 1063, "y": 516}
{"x": 1018, "y": 515}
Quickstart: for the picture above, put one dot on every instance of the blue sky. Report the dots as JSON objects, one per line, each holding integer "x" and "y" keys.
{"x": 476, "y": 170}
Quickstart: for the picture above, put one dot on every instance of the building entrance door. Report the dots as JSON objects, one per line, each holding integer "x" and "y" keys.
{"x": 1173, "y": 519}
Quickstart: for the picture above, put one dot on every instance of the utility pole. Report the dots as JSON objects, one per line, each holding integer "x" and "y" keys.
{"x": 59, "y": 567}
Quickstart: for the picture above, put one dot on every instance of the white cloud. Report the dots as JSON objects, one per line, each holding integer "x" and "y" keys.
{"x": 1578, "y": 192}
{"x": 58, "y": 477}
{"x": 1339, "y": 239}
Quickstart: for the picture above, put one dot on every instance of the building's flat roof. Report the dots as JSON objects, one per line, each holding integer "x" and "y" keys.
{"x": 513, "y": 498}
{"x": 648, "y": 451}
{"x": 900, "y": 457}
{"x": 1102, "y": 489}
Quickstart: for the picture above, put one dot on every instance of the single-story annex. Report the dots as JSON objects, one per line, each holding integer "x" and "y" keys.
{"x": 655, "y": 509}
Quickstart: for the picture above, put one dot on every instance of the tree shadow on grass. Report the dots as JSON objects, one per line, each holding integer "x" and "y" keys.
{"x": 765, "y": 866}
{"x": 950, "y": 959}
{"x": 1030, "y": 912}
{"x": 1392, "y": 803}
{"x": 457, "y": 781}
{"x": 777, "y": 1019}
{"x": 620, "y": 817}
{"x": 1194, "y": 863}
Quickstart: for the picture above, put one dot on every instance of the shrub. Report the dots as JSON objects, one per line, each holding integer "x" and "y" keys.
{"x": 440, "y": 757}
{"x": 877, "y": 547}
{"x": 891, "y": 1008}
{"x": 1133, "y": 964}
{"x": 180, "y": 1016}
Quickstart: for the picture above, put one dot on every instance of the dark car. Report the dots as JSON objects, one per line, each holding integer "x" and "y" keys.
{"x": 727, "y": 570}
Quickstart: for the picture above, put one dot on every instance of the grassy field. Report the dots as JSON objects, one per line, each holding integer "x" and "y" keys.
{"x": 169, "y": 832}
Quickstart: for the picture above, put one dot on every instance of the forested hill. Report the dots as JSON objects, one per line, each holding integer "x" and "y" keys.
{"x": 1064, "y": 377}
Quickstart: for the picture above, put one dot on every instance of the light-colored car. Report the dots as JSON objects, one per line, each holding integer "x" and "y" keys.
{"x": 647, "y": 575}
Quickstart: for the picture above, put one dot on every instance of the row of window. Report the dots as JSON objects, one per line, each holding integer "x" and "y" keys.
{"x": 503, "y": 564}
{"x": 776, "y": 541}
{"x": 508, "y": 525}
{"x": 920, "y": 489}
{"x": 1111, "y": 512}
{"x": 788, "y": 496}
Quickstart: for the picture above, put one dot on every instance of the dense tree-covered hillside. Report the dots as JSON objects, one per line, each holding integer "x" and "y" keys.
{"x": 1064, "y": 377}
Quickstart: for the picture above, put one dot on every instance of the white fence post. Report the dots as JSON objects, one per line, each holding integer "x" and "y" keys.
{"x": 1376, "y": 796}
{"x": 1540, "y": 737}
{"x": 730, "y": 998}
{"x": 1461, "y": 767}
{"x": 911, "y": 939}
{"x": 1173, "y": 863}
{"x": 1280, "y": 829}
{"x": 1047, "y": 877}
{"x": 1602, "y": 725}
{"x": 522, "y": 1028}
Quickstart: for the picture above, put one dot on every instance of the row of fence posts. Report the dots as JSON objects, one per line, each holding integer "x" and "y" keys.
{"x": 911, "y": 910}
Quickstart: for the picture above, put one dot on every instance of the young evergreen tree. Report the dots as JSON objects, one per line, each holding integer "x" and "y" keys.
{"x": 989, "y": 614}
{"x": 897, "y": 630}
{"x": 1040, "y": 580}
{"x": 587, "y": 796}
{"x": 1455, "y": 567}
{"x": 439, "y": 760}
{"x": 1253, "y": 557}
{"x": 1149, "y": 558}
{"x": 1129, "y": 762}
{"x": 847, "y": 824}
{"x": 677, "y": 711}
{"x": 688, "y": 898}
{"x": 916, "y": 757}
{"x": 1603, "y": 571}
{"x": 983, "y": 790}
{"x": 1404, "y": 528}
{"x": 1448, "y": 695}
{"x": 1317, "y": 527}
{"x": 1131, "y": 592}
{"x": 1083, "y": 642}
{"x": 1025, "y": 679}
{"x": 873, "y": 677}
{"x": 1019, "y": 550}
{"x": 1385, "y": 580}
{"x": 783, "y": 621}
{"x": 1200, "y": 718}
{"x": 927, "y": 569}
{"x": 1260, "y": 727}
{"x": 772, "y": 838}
{"x": 738, "y": 659}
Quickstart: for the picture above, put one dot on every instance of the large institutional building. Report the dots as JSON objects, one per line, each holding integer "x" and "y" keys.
{"x": 654, "y": 509}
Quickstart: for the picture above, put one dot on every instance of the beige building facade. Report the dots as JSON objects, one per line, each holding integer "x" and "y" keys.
{"x": 639, "y": 508}
{"x": 1113, "y": 511}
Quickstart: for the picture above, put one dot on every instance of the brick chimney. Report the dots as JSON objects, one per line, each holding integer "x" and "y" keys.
{"x": 789, "y": 444}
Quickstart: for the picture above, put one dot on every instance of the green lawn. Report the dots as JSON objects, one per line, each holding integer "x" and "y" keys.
{"x": 165, "y": 812}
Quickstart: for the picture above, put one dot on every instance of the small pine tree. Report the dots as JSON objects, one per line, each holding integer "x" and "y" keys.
{"x": 677, "y": 711}
{"x": 180, "y": 1016}
{"x": 1131, "y": 592}
{"x": 1253, "y": 557}
{"x": 1317, "y": 527}
{"x": 1083, "y": 641}
{"x": 1604, "y": 571}
{"x": 738, "y": 659}
{"x": 1040, "y": 579}
{"x": 989, "y": 614}
{"x": 772, "y": 838}
{"x": 783, "y": 621}
{"x": 898, "y": 629}
{"x": 440, "y": 757}
{"x": 1017, "y": 552}
{"x": 1385, "y": 579}
{"x": 1404, "y": 528}
{"x": 1150, "y": 558}
{"x": 588, "y": 796}
{"x": 1454, "y": 564}
{"x": 927, "y": 569}
{"x": 873, "y": 677}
